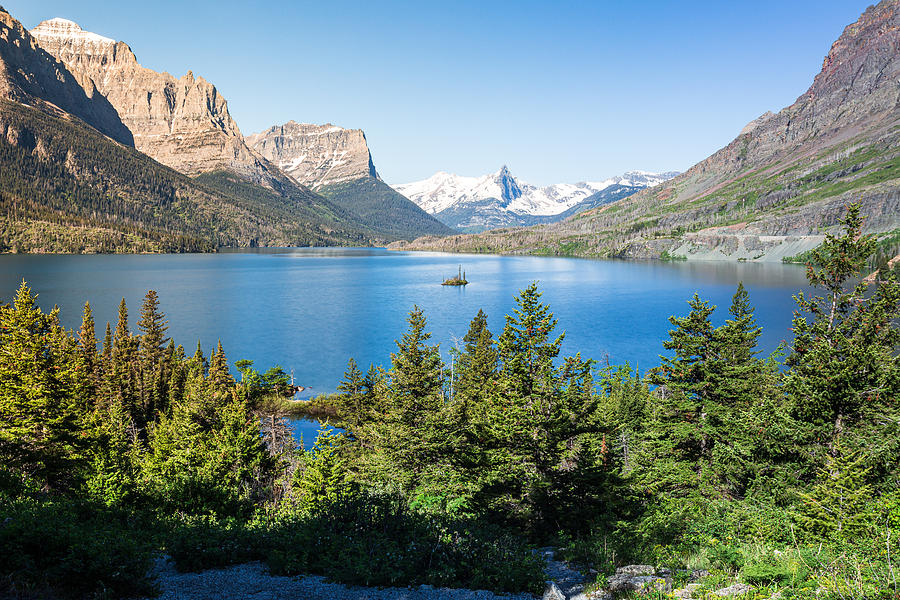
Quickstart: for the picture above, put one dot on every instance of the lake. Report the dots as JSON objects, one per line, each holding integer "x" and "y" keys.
{"x": 310, "y": 310}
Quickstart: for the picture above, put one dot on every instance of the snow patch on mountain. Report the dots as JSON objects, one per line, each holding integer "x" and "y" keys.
{"x": 66, "y": 29}
{"x": 443, "y": 191}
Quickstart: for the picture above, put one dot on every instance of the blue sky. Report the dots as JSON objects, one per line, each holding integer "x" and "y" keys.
{"x": 558, "y": 91}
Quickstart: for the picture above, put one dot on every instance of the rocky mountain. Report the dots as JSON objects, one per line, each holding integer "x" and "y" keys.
{"x": 183, "y": 123}
{"x": 29, "y": 75}
{"x": 501, "y": 200}
{"x": 71, "y": 182}
{"x": 772, "y": 191}
{"x": 316, "y": 155}
{"x": 337, "y": 163}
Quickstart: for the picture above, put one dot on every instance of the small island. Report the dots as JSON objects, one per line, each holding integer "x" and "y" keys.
{"x": 460, "y": 278}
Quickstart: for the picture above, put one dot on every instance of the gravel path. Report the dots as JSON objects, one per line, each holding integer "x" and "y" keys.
{"x": 252, "y": 581}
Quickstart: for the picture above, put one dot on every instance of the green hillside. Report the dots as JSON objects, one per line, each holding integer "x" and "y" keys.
{"x": 386, "y": 211}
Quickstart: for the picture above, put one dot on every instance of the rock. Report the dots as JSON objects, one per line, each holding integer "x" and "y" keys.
{"x": 733, "y": 590}
{"x": 686, "y": 593}
{"x": 636, "y": 583}
{"x": 552, "y": 592}
{"x": 316, "y": 155}
{"x": 636, "y": 570}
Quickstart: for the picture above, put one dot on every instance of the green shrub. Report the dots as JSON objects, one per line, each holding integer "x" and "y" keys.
{"x": 205, "y": 543}
{"x": 369, "y": 540}
{"x": 726, "y": 557}
{"x": 74, "y": 549}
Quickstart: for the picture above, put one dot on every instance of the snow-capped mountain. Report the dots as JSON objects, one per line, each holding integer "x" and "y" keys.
{"x": 499, "y": 199}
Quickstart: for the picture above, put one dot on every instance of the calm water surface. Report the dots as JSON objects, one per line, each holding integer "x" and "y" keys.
{"x": 309, "y": 310}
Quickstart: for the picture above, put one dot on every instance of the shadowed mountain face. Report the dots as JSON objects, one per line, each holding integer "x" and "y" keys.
{"x": 32, "y": 76}
{"x": 183, "y": 123}
{"x": 774, "y": 188}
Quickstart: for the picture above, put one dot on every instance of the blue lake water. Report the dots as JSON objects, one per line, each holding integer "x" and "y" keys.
{"x": 309, "y": 310}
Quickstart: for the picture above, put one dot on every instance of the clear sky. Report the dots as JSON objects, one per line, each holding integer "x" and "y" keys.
{"x": 558, "y": 91}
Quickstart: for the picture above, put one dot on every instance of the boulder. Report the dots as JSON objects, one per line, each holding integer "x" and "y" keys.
{"x": 552, "y": 592}
{"x": 636, "y": 570}
{"x": 733, "y": 590}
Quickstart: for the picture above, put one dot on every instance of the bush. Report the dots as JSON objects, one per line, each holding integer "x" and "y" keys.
{"x": 74, "y": 549}
{"x": 369, "y": 540}
{"x": 200, "y": 543}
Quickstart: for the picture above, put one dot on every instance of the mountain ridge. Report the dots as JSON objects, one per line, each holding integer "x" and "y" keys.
{"x": 499, "y": 199}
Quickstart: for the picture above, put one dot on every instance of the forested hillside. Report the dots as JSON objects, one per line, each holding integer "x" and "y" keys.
{"x": 64, "y": 187}
{"x": 379, "y": 207}
{"x": 779, "y": 471}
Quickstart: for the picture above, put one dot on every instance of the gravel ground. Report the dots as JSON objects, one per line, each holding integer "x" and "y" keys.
{"x": 252, "y": 581}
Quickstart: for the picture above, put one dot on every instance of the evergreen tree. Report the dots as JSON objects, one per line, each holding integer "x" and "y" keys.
{"x": 836, "y": 505}
{"x": 39, "y": 418}
{"x": 355, "y": 403}
{"x": 153, "y": 378}
{"x": 87, "y": 343}
{"x": 476, "y": 366}
{"x": 845, "y": 372}
{"x": 219, "y": 379}
{"x": 525, "y": 351}
{"x": 679, "y": 433}
{"x": 153, "y": 327}
{"x": 121, "y": 377}
{"x": 107, "y": 345}
{"x": 323, "y": 478}
{"x": 416, "y": 372}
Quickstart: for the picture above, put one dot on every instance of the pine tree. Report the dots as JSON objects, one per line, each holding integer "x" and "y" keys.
{"x": 679, "y": 415}
{"x": 845, "y": 372}
{"x": 219, "y": 380}
{"x": 416, "y": 372}
{"x": 322, "y": 481}
{"x": 107, "y": 346}
{"x": 153, "y": 327}
{"x": 87, "y": 343}
{"x": 524, "y": 348}
{"x": 121, "y": 377}
{"x": 153, "y": 378}
{"x": 38, "y": 387}
{"x": 476, "y": 366}
{"x": 836, "y": 505}
{"x": 355, "y": 403}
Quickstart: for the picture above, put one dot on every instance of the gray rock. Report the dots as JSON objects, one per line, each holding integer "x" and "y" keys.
{"x": 635, "y": 583}
{"x": 636, "y": 570}
{"x": 733, "y": 590}
{"x": 552, "y": 592}
{"x": 686, "y": 593}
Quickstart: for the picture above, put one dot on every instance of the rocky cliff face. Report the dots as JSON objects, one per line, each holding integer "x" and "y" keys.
{"x": 183, "y": 123}
{"x": 30, "y": 75}
{"x": 316, "y": 155}
{"x": 784, "y": 179}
